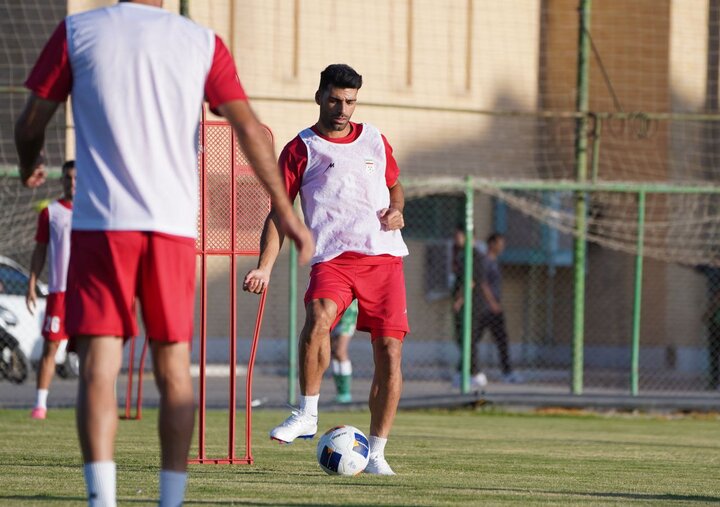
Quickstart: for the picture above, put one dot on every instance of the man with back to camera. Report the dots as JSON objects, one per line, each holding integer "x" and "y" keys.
{"x": 134, "y": 219}
{"x": 53, "y": 238}
{"x": 352, "y": 202}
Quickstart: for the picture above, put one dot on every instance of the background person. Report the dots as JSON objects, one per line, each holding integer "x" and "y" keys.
{"x": 53, "y": 238}
{"x": 341, "y": 335}
{"x": 488, "y": 312}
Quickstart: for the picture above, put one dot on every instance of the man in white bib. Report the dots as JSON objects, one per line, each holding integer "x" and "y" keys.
{"x": 352, "y": 202}
{"x": 53, "y": 238}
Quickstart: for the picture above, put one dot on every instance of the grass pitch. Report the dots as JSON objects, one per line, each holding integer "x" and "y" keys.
{"x": 442, "y": 458}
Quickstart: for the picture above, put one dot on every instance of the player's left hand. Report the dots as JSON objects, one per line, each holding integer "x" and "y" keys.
{"x": 391, "y": 219}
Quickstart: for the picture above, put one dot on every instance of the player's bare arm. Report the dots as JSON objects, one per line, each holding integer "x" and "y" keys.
{"x": 258, "y": 149}
{"x": 271, "y": 241}
{"x": 36, "y": 265}
{"x": 391, "y": 218}
{"x": 30, "y": 137}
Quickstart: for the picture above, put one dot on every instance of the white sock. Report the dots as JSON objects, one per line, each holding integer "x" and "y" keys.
{"x": 377, "y": 445}
{"x": 341, "y": 367}
{"x": 309, "y": 404}
{"x": 100, "y": 482}
{"x": 172, "y": 488}
{"x": 41, "y": 399}
{"x": 345, "y": 367}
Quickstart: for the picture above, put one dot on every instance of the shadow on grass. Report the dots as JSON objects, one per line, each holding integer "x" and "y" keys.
{"x": 152, "y": 501}
{"x": 667, "y": 497}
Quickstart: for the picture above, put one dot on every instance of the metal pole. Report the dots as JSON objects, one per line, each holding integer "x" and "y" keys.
{"x": 202, "y": 388}
{"x": 595, "y": 164}
{"x": 637, "y": 299}
{"x": 581, "y": 206}
{"x": 184, "y": 8}
{"x": 467, "y": 286}
{"x": 292, "y": 327}
{"x": 233, "y": 302}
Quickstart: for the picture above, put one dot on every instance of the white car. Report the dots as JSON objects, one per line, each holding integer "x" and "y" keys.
{"x": 21, "y": 341}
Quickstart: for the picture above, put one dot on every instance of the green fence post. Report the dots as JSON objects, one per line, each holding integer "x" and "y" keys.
{"x": 581, "y": 144}
{"x": 467, "y": 285}
{"x": 292, "y": 327}
{"x": 637, "y": 299}
{"x": 184, "y": 8}
{"x": 595, "y": 164}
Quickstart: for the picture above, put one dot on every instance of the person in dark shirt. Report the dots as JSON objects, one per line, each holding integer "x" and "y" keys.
{"x": 488, "y": 311}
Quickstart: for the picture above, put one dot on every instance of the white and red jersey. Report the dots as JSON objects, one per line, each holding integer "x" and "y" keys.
{"x": 343, "y": 185}
{"x": 137, "y": 75}
{"x": 53, "y": 229}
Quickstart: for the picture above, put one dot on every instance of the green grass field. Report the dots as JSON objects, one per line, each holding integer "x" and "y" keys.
{"x": 442, "y": 458}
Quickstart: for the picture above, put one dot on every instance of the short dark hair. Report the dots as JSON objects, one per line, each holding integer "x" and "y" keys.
{"x": 494, "y": 237}
{"x": 339, "y": 75}
{"x": 69, "y": 164}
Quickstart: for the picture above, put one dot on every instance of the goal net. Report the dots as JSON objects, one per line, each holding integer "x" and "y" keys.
{"x": 25, "y": 27}
{"x": 480, "y": 88}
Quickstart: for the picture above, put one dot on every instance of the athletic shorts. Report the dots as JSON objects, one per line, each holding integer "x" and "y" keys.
{"x": 348, "y": 321}
{"x": 54, "y": 324}
{"x": 110, "y": 270}
{"x": 379, "y": 289}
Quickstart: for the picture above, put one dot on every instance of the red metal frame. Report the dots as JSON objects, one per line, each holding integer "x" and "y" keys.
{"x": 204, "y": 252}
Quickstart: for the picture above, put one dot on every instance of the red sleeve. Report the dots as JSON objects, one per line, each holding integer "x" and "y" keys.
{"x": 42, "y": 235}
{"x": 222, "y": 84}
{"x": 392, "y": 171}
{"x": 51, "y": 77}
{"x": 292, "y": 162}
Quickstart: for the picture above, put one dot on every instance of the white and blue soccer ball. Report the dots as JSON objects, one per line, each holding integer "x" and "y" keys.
{"x": 343, "y": 450}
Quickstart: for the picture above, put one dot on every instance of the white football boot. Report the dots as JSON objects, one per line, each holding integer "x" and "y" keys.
{"x": 298, "y": 425}
{"x": 377, "y": 465}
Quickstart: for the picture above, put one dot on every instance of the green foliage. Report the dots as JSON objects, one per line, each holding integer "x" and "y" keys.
{"x": 441, "y": 457}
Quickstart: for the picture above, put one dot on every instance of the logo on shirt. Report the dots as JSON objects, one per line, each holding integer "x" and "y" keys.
{"x": 369, "y": 165}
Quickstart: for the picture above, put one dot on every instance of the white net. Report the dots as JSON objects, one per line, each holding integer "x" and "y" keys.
{"x": 24, "y": 29}
{"x": 488, "y": 89}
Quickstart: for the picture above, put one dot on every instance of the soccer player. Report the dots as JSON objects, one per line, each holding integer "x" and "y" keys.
{"x": 341, "y": 335}
{"x": 53, "y": 235}
{"x": 352, "y": 202}
{"x": 137, "y": 75}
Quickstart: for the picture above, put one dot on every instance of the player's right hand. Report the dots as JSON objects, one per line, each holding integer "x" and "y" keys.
{"x": 36, "y": 178}
{"x": 256, "y": 281}
{"x": 294, "y": 229}
{"x": 30, "y": 301}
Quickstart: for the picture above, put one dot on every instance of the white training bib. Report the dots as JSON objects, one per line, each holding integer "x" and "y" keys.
{"x": 60, "y": 219}
{"x": 342, "y": 192}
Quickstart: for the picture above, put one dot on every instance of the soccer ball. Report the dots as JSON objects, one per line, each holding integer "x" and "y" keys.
{"x": 343, "y": 450}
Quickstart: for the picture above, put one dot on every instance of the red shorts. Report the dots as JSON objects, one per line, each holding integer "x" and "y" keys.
{"x": 110, "y": 270}
{"x": 54, "y": 324}
{"x": 379, "y": 289}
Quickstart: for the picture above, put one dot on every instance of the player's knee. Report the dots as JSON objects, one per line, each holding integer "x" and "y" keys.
{"x": 98, "y": 376}
{"x": 173, "y": 380}
{"x": 50, "y": 349}
{"x": 320, "y": 319}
